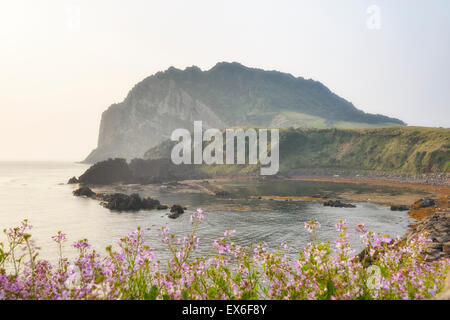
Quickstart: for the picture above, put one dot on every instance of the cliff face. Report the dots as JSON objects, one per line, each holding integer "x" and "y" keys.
{"x": 128, "y": 129}
{"x": 227, "y": 95}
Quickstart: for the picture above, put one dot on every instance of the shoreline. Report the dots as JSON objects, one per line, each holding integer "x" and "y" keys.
{"x": 412, "y": 191}
{"x": 441, "y": 193}
{"x": 432, "y": 219}
{"x": 378, "y": 181}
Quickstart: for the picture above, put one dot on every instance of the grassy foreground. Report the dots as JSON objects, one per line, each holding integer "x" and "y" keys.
{"x": 389, "y": 269}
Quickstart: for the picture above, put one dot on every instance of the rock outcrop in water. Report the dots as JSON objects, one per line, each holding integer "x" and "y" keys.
{"x": 176, "y": 211}
{"x": 338, "y": 204}
{"x": 400, "y": 207}
{"x": 72, "y": 180}
{"x": 138, "y": 171}
{"x": 107, "y": 172}
{"x": 84, "y": 192}
{"x": 124, "y": 202}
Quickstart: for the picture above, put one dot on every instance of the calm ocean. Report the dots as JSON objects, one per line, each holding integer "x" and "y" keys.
{"x": 37, "y": 191}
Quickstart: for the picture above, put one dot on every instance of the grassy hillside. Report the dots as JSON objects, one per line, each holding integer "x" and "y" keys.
{"x": 409, "y": 150}
{"x": 286, "y": 119}
{"x": 401, "y": 150}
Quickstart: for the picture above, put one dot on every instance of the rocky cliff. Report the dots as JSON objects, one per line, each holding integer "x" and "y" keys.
{"x": 227, "y": 95}
{"x": 146, "y": 117}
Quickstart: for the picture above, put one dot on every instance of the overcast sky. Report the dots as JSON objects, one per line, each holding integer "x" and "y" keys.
{"x": 62, "y": 63}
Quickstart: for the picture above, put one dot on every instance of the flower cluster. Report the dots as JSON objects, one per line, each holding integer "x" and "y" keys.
{"x": 198, "y": 216}
{"x": 385, "y": 269}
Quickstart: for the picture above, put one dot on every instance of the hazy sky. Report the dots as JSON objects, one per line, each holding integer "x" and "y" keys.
{"x": 62, "y": 63}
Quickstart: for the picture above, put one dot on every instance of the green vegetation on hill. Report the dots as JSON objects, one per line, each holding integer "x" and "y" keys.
{"x": 400, "y": 150}
{"x": 409, "y": 150}
{"x": 248, "y": 96}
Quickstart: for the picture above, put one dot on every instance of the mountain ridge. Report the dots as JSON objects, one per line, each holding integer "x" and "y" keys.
{"x": 228, "y": 94}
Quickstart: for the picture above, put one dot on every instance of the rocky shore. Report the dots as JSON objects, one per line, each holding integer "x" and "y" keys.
{"x": 434, "y": 179}
{"x": 437, "y": 226}
{"x": 338, "y": 204}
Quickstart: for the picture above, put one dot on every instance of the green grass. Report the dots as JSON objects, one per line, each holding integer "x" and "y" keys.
{"x": 400, "y": 150}
{"x": 409, "y": 150}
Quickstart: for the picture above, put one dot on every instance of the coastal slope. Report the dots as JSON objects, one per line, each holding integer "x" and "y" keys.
{"x": 396, "y": 150}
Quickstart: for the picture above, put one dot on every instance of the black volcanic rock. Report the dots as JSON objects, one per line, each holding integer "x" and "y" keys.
{"x": 84, "y": 191}
{"x": 338, "y": 204}
{"x": 401, "y": 207}
{"x": 106, "y": 172}
{"x": 424, "y": 203}
{"x": 437, "y": 227}
{"x": 121, "y": 201}
{"x": 176, "y": 211}
{"x": 139, "y": 171}
{"x": 72, "y": 180}
{"x": 133, "y": 202}
{"x": 150, "y": 203}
